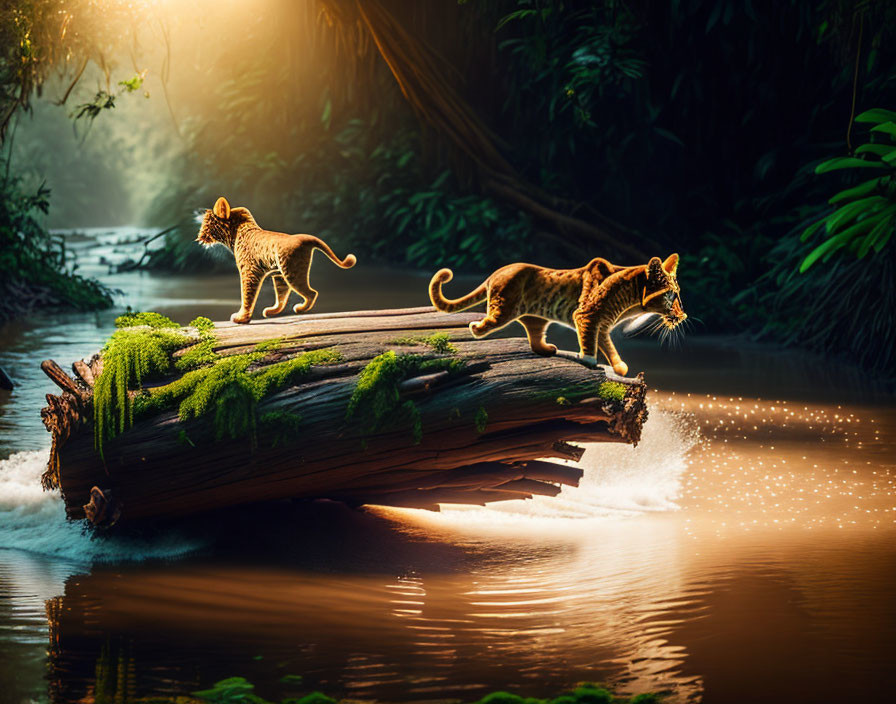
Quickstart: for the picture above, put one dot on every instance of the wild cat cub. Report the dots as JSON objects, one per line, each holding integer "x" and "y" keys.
{"x": 591, "y": 299}
{"x": 260, "y": 253}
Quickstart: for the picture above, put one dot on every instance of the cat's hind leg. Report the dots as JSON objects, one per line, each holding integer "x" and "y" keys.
{"x": 296, "y": 273}
{"x": 535, "y": 330}
{"x": 281, "y": 296}
{"x": 310, "y": 296}
{"x": 495, "y": 319}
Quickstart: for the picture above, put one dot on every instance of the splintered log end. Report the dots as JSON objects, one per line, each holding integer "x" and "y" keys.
{"x": 529, "y": 487}
{"x": 59, "y": 377}
{"x": 568, "y": 450}
{"x": 634, "y": 415}
{"x": 61, "y": 416}
{"x": 84, "y": 372}
{"x": 103, "y": 511}
{"x": 552, "y": 472}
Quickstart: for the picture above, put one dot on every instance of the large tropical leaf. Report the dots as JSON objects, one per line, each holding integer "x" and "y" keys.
{"x": 876, "y": 115}
{"x": 846, "y": 162}
{"x": 856, "y": 191}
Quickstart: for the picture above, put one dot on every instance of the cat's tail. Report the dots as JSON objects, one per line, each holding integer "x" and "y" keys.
{"x": 346, "y": 263}
{"x": 449, "y": 305}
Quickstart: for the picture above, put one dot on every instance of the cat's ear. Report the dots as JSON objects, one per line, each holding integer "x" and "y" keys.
{"x": 222, "y": 208}
{"x": 655, "y": 271}
{"x": 656, "y": 280}
{"x": 671, "y": 264}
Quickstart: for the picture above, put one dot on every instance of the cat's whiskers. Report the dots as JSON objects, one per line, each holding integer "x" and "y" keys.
{"x": 655, "y": 326}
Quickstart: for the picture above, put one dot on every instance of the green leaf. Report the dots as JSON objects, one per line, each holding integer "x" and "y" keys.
{"x": 818, "y": 252}
{"x": 668, "y": 135}
{"x": 851, "y": 210}
{"x": 812, "y": 229}
{"x": 419, "y": 197}
{"x": 518, "y": 15}
{"x": 834, "y": 243}
{"x": 878, "y": 149}
{"x": 886, "y": 128}
{"x": 884, "y": 220}
{"x": 876, "y": 115}
{"x": 860, "y": 190}
{"x": 846, "y": 162}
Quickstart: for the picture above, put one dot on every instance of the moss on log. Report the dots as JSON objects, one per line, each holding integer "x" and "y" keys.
{"x": 399, "y": 408}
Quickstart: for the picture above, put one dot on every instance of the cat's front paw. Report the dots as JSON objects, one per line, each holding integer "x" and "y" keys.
{"x": 545, "y": 350}
{"x": 621, "y": 368}
{"x": 240, "y": 318}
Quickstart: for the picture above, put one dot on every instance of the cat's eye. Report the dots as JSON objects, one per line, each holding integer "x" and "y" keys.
{"x": 668, "y": 299}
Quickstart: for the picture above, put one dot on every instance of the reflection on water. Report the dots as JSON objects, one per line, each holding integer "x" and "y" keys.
{"x": 744, "y": 550}
{"x": 538, "y": 615}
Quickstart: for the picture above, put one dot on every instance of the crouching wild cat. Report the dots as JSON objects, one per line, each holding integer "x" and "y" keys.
{"x": 260, "y": 253}
{"x": 592, "y": 300}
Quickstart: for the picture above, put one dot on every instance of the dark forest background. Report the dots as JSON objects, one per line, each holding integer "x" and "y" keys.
{"x": 475, "y": 133}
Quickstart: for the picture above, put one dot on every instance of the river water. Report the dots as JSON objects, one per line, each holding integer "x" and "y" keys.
{"x": 744, "y": 551}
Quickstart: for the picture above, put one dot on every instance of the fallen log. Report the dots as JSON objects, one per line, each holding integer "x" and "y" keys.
{"x": 399, "y": 408}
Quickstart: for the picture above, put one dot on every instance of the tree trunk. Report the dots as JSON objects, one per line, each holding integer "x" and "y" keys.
{"x": 487, "y": 427}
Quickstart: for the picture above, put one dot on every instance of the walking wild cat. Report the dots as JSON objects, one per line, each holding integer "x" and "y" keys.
{"x": 262, "y": 253}
{"x": 592, "y": 299}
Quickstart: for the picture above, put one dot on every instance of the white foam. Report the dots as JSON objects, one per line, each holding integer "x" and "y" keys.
{"x": 619, "y": 480}
{"x": 33, "y": 520}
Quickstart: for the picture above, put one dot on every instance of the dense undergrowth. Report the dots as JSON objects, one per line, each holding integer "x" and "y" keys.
{"x": 364, "y": 192}
{"x": 36, "y": 268}
{"x": 681, "y": 120}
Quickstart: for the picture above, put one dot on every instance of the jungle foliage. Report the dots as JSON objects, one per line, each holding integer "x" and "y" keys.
{"x": 38, "y": 37}
{"x": 865, "y": 215}
{"x": 693, "y": 126}
{"x": 36, "y": 267}
{"x": 698, "y": 123}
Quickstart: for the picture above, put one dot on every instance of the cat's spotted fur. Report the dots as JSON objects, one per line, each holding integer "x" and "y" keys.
{"x": 260, "y": 253}
{"x": 591, "y": 299}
